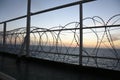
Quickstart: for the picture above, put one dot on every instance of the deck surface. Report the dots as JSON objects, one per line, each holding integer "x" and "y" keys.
{"x": 35, "y": 69}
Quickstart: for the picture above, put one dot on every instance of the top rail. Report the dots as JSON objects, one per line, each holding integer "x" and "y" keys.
{"x": 50, "y": 9}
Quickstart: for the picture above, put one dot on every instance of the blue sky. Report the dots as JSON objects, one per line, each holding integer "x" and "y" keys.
{"x": 14, "y": 8}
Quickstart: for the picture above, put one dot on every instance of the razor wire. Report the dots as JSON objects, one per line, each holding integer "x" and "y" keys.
{"x": 61, "y": 43}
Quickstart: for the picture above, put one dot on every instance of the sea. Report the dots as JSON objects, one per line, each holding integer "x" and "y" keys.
{"x": 107, "y": 58}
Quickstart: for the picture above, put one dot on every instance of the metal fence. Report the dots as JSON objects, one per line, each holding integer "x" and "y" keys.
{"x": 68, "y": 43}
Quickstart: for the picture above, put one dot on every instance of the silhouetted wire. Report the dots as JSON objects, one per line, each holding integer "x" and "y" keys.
{"x": 49, "y": 41}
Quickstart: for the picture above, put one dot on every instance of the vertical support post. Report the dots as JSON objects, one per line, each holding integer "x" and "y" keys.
{"x": 28, "y": 27}
{"x": 81, "y": 34}
{"x": 4, "y": 34}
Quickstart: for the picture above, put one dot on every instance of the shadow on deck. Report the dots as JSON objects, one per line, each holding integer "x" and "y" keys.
{"x": 37, "y": 69}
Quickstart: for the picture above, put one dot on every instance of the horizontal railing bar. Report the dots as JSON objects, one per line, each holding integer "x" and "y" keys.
{"x": 105, "y": 26}
{"x": 62, "y": 6}
{"x": 97, "y": 57}
{"x": 78, "y": 55}
{"x": 50, "y": 9}
{"x": 111, "y": 58}
{"x": 14, "y": 19}
{"x": 77, "y": 28}
{"x": 48, "y": 30}
{"x": 56, "y": 53}
{"x": 86, "y": 27}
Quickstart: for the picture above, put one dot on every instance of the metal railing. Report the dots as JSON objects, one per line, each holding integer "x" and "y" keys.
{"x": 50, "y": 44}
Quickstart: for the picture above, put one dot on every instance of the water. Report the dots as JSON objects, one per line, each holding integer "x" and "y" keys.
{"x": 107, "y": 58}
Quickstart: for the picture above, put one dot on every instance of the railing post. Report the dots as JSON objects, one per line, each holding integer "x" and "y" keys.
{"x": 28, "y": 27}
{"x": 81, "y": 34}
{"x": 4, "y": 34}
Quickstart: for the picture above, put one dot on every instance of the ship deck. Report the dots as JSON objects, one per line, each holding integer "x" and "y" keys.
{"x": 27, "y": 68}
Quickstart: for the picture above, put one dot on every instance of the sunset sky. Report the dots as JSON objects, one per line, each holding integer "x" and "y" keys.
{"x": 14, "y": 8}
